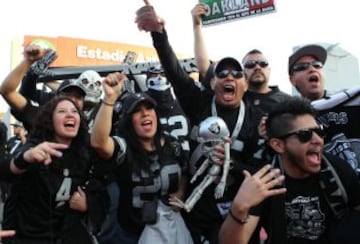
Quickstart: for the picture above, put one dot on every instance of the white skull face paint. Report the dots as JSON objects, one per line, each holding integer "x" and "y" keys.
{"x": 156, "y": 79}
{"x": 91, "y": 81}
{"x": 158, "y": 83}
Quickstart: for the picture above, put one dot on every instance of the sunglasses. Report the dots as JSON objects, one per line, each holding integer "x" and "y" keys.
{"x": 252, "y": 63}
{"x": 225, "y": 72}
{"x": 305, "y": 135}
{"x": 305, "y": 66}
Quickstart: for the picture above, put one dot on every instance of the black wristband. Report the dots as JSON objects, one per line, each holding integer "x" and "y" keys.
{"x": 237, "y": 220}
{"x": 20, "y": 162}
{"x": 108, "y": 104}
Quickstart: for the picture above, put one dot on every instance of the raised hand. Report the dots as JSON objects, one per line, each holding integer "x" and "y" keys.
{"x": 147, "y": 19}
{"x": 255, "y": 188}
{"x": 34, "y": 52}
{"x": 40, "y": 67}
{"x": 112, "y": 85}
{"x": 198, "y": 11}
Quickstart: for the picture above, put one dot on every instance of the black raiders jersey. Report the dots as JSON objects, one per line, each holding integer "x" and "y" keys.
{"x": 171, "y": 115}
{"x": 45, "y": 191}
{"x": 139, "y": 189}
{"x": 265, "y": 101}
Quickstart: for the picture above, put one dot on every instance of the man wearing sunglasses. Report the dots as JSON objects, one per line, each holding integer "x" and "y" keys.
{"x": 223, "y": 99}
{"x": 318, "y": 196}
{"x": 257, "y": 74}
{"x": 306, "y": 73}
{"x": 339, "y": 112}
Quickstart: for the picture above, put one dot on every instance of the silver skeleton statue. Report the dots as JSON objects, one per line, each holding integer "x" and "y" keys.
{"x": 211, "y": 132}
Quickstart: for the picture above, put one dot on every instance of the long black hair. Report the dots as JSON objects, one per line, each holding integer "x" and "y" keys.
{"x": 136, "y": 154}
{"x": 43, "y": 127}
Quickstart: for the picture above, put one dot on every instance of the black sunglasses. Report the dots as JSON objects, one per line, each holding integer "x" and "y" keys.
{"x": 305, "y": 66}
{"x": 305, "y": 135}
{"x": 252, "y": 63}
{"x": 225, "y": 72}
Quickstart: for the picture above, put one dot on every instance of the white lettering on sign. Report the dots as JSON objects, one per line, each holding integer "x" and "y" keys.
{"x": 230, "y": 6}
{"x": 115, "y": 56}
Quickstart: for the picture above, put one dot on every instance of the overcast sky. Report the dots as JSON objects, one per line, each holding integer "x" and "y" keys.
{"x": 295, "y": 22}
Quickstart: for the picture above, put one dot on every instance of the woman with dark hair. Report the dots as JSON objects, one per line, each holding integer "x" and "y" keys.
{"x": 149, "y": 166}
{"x": 54, "y": 195}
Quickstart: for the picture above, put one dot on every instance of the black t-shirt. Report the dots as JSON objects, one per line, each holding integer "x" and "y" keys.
{"x": 306, "y": 211}
{"x": 265, "y": 101}
{"x": 308, "y": 216}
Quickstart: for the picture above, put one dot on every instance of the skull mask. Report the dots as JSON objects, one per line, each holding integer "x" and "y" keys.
{"x": 91, "y": 81}
{"x": 211, "y": 132}
{"x": 156, "y": 79}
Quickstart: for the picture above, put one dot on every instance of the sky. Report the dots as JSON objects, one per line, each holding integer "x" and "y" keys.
{"x": 295, "y": 22}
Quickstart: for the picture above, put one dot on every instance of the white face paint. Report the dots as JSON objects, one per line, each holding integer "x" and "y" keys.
{"x": 156, "y": 79}
{"x": 91, "y": 81}
{"x": 158, "y": 83}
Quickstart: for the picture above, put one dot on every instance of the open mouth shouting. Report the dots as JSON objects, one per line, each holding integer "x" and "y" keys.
{"x": 228, "y": 92}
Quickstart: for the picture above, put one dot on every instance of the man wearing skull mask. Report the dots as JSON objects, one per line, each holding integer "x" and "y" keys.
{"x": 90, "y": 80}
{"x": 172, "y": 117}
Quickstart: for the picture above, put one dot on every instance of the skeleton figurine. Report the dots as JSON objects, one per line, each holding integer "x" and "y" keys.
{"x": 211, "y": 132}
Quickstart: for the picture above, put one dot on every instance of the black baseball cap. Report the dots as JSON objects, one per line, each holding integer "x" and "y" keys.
{"x": 227, "y": 61}
{"x": 154, "y": 69}
{"x": 67, "y": 84}
{"x": 132, "y": 100}
{"x": 317, "y": 51}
